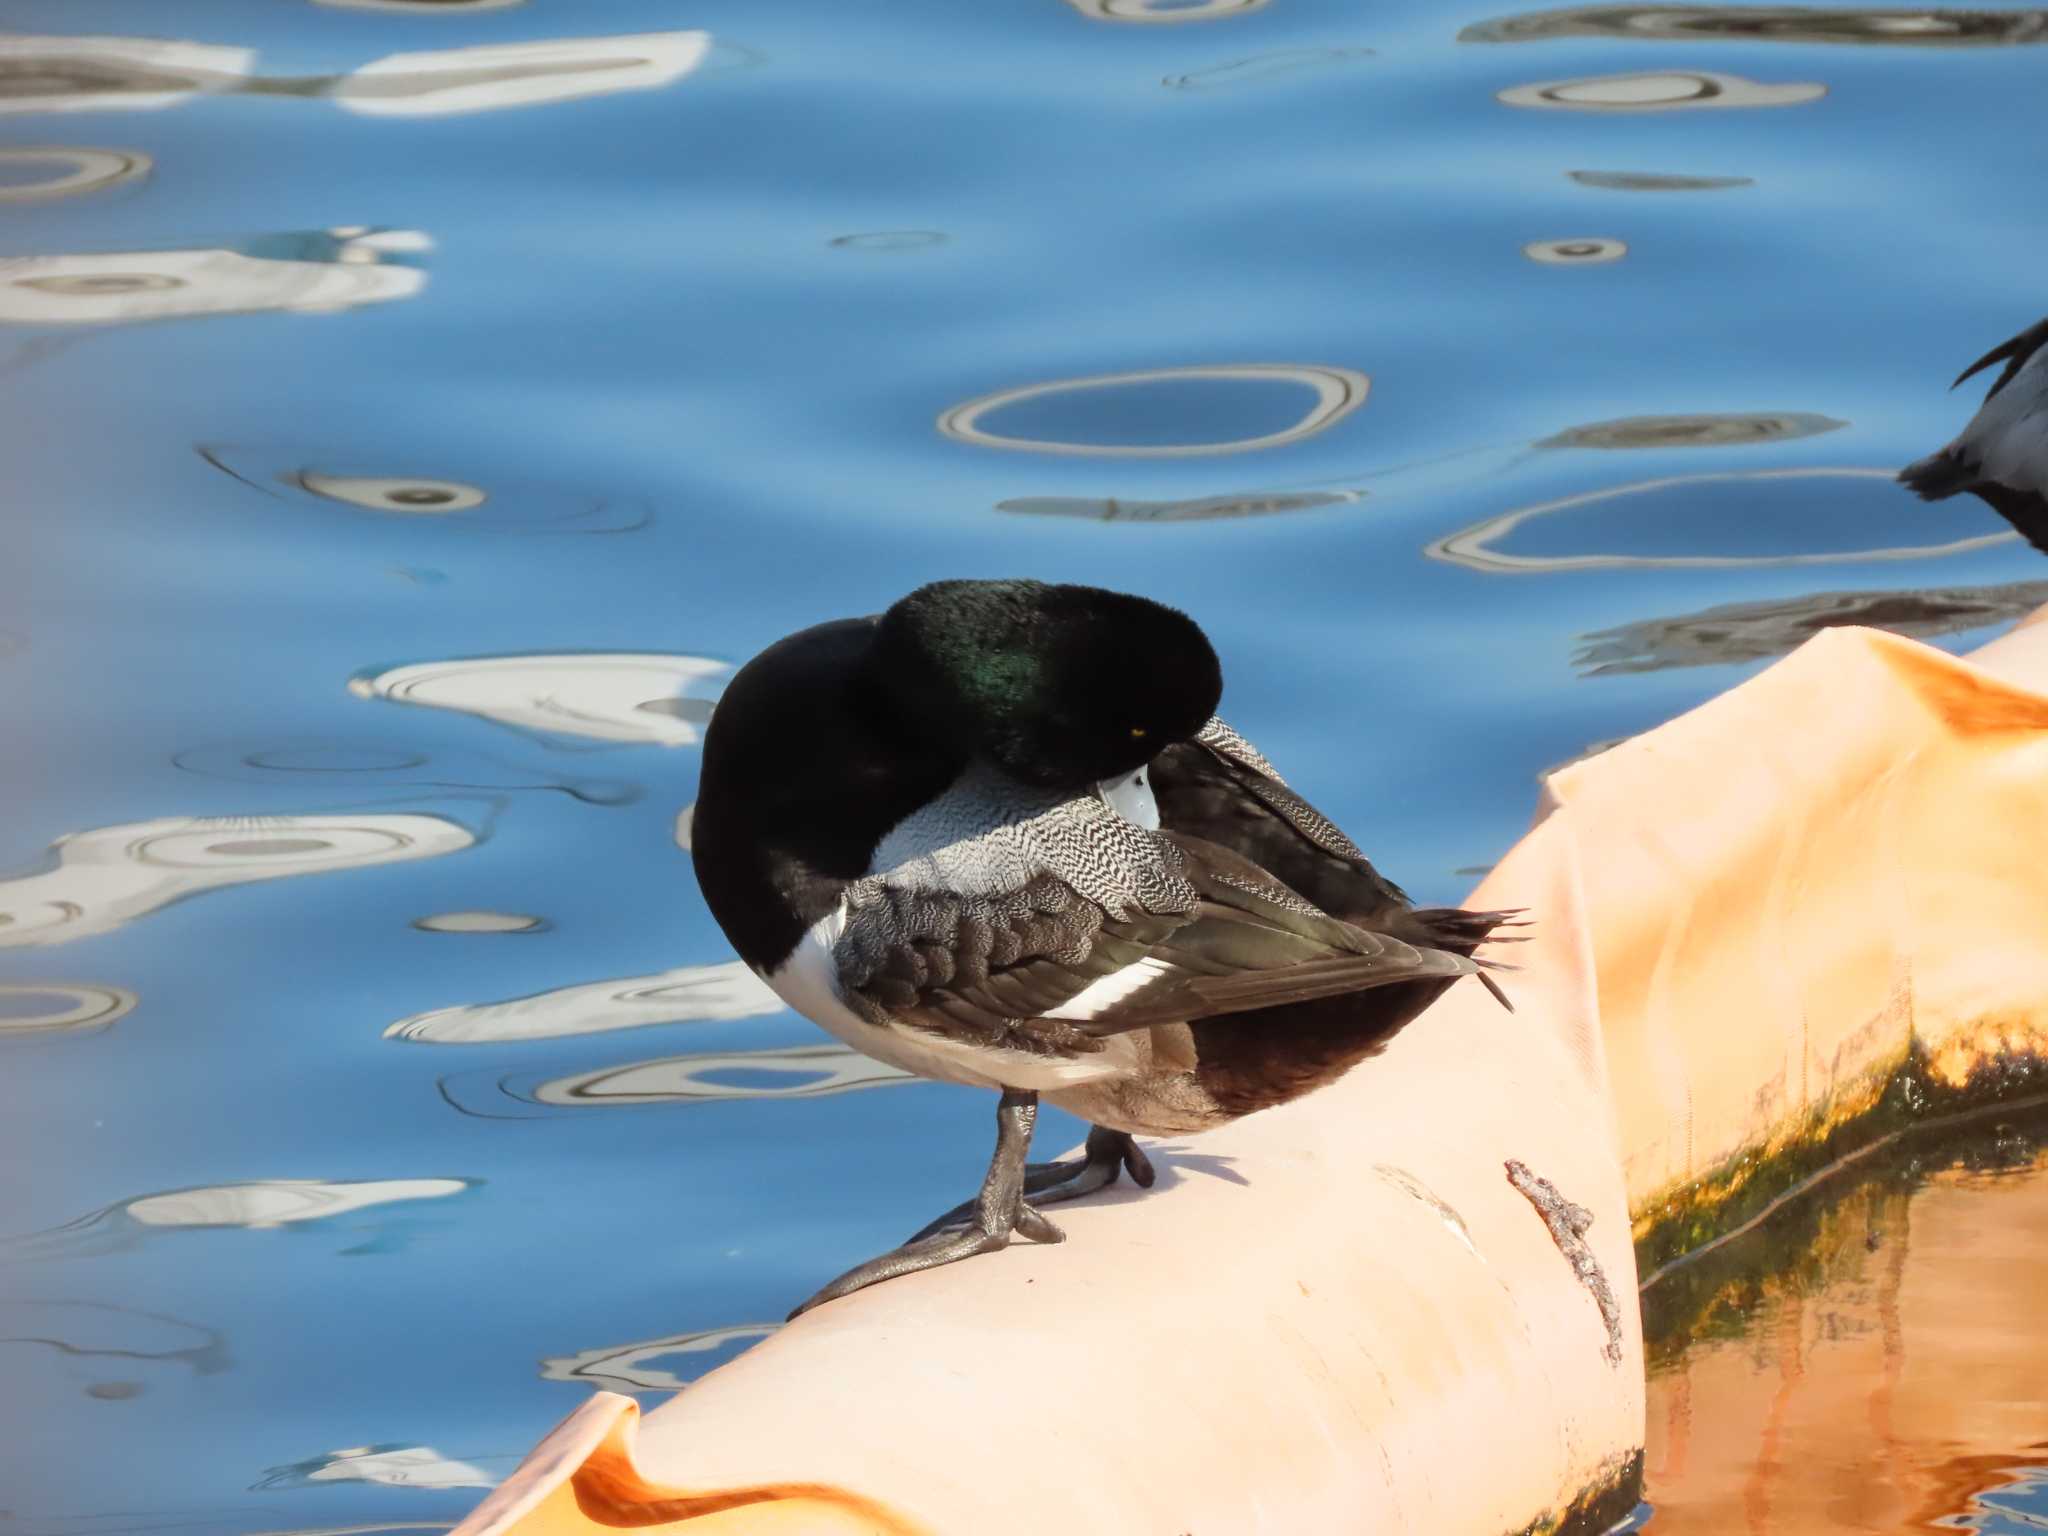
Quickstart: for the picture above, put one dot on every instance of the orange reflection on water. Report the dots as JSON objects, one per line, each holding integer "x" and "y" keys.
{"x": 1892, "y": 1375}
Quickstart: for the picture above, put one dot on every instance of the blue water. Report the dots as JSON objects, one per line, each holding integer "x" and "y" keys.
{"x": 656, "y": 368}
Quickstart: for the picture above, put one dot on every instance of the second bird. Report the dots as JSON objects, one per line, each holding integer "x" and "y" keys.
{"x": 997, "y": 836}
{"x": 2001, "y": 456}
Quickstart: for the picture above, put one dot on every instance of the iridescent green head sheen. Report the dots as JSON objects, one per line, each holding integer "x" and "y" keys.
{"x": 1059, "y": 686}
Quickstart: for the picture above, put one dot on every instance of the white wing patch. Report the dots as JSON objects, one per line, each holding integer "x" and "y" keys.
{"x": 1104, "y": 993}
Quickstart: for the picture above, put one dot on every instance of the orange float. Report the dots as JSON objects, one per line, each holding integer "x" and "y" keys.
{"x": 1803, "y": 917}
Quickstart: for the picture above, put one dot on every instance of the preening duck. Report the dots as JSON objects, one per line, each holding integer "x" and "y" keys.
{"x": 997, "y": 836}
{"x": 2002, "y": 455}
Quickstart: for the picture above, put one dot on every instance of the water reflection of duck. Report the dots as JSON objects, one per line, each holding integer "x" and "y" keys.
{"x": 972, "y": 841}
{"x": 2001, "y": 457}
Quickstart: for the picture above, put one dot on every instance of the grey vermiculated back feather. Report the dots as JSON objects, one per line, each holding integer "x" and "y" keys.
{"x": 973, "y": 890}
{"x": 988, "y": 834}
{"x": 989, "y": 913}
{"x": 1272, "y": 791}
{"x": 1220, "y": 737}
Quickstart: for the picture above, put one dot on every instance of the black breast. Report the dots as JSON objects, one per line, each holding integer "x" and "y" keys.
{"x": 804, "y": 772}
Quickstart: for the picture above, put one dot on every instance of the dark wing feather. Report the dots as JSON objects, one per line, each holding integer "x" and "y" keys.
{"x": 985, "y": 967}
{"x": 998, "y": 970}
{"x": 1219, "y": 788}
{"x": 2014, "y": 353}
{"x": 1256, "y": 900}
{"x": 1253, "y": 943}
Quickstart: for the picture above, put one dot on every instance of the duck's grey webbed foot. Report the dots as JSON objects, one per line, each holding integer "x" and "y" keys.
{"x": 993, "y": 1216}
{"x": 1107, "y": 1155}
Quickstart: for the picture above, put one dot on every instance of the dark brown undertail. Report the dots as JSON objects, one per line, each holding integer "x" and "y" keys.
{"x": 2023, "y": 509}
{"x": 1252, "y": 1061}
{"x": 1942, "y": 475}
{"x": 1256, "y": 1059}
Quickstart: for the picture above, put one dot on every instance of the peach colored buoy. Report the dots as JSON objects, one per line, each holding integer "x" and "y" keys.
{"x": 1407, "y": 1303}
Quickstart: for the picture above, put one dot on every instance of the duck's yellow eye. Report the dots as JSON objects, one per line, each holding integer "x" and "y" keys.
{"x": 1138, "y": 733}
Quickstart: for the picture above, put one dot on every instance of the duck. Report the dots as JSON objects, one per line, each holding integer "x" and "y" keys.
{"x": 2001, "y": 457}
{"x": 998, "y": 836}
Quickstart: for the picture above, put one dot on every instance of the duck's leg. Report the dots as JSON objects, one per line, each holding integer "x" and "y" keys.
{"x": 997, "y": 1212}
{"x": 1107, "y": 1154}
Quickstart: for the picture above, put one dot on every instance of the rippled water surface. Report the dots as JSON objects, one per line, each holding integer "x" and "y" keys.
{"x": 420, "y": 405}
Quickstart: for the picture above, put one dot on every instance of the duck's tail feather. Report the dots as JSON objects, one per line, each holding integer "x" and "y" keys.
{"x": 1938, "y": 476}
{"x": 1461, "y": 931}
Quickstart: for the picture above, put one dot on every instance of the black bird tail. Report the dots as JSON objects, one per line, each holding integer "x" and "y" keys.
{"x": 1938, "y": 476}
{"x": 1459, "y": 931}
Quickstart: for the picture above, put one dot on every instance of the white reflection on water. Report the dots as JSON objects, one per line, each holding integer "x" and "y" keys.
{"x": 98, "y": 74}
{"x": 395, "y": 1464}
{"x": 412, "y": 495}
{"x": 807, "y": 1072}
{"x": 1164, "y": 11}
{"x": 1338, "y": 392}
{"x": 495, "y": 75}
{"x": 724, "y": 991}
{"x": 278, "y": 1202}
{"x": 608, "y": 696}
{"x": 67, "y": 1007}
{"x": 1659, "y": 91}
{"x": 76, "y": 170}
{"x": 257, "y": 1205}
{"x": 631, "y": 1367}
{"x": 304, "y": 273}
{"x": 112, "y": 875}
{"x": 375, "y": 485}
{"x": 790, "y": 1072}
{"x": 1472, "y": 546}
{"x": 1582, "y": 251}
{"x": 72, "y": 74}
{"x": 480, "y": 922}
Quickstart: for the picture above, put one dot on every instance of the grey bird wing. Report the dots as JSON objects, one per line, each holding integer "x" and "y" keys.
{"x": 1219, "y": 788}
{"x": 1112, "y": 928}
{"x": 1253, "y": 942}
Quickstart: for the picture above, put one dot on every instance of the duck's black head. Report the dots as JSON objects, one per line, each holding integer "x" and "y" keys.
{"x": 1059, "y": 686}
